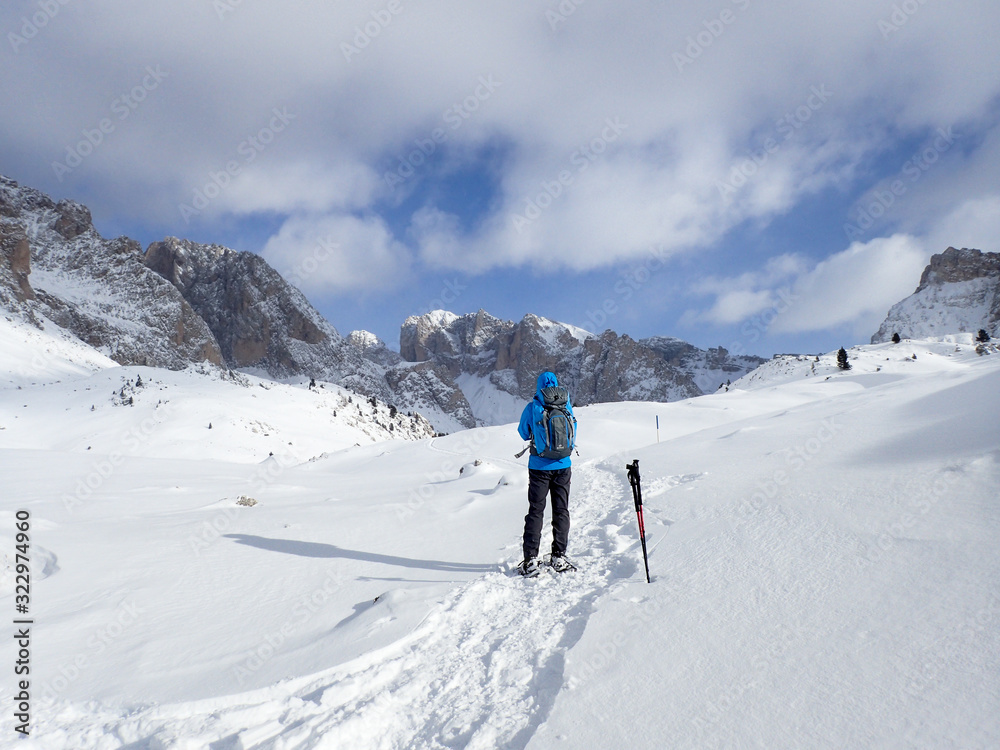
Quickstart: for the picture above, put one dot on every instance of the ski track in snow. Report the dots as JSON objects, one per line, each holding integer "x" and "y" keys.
{"x": 481, "y": 671}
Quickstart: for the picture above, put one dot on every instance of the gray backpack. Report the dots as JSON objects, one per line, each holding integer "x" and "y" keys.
{"x": 555, "y": 437}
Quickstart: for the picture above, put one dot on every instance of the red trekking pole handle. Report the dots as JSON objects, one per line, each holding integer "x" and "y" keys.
{"x": 634, "y": 481}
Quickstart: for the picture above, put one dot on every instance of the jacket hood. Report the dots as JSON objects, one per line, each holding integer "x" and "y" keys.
{"x": 545, "y": 380}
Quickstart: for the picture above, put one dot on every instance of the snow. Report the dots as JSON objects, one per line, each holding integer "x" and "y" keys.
{"x": 822, "y": 545}
{"x": 364, "y": 339}
{"x": 553, "y": 332}
{"x": 580, "y": 334}
{"x": 435, "y": 318}
{"x": 490, "y": 405}
{"x": 32, "y": 355}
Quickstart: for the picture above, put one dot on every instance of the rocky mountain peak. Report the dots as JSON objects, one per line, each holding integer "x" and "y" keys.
{"x": 959, "y": 291}
{"x": 954, "y": 265}
{"x": 72, "y": 219}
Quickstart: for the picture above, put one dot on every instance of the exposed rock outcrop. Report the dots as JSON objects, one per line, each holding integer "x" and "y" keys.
{"x": 258, "y": 318}
{"x": 15, "y": 263}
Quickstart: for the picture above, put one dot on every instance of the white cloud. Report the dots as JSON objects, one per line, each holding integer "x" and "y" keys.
{"x": 336, "y": 253}
{"x": 855, "y": 287}
{"x": 437, "y": 235}
{"x": 738, "y": 305}
{"x": 656, "y": 183}
{"x": 974, "y": 223}
{"x": 299, "y": 187}
{"x": 740, "y": 297}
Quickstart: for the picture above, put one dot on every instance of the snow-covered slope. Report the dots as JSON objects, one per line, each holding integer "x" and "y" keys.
{"x": 959, "y": 291}
{"x": 42, "y": 352}
{"x": 875, "y": 363}
{"x": 823, "y": 551}
{"x": 197, "y": 414}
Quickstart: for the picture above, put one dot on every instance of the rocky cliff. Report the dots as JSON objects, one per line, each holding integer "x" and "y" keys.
{"x": 264, "y": 324}
{"x": 54, "y": 264}
{"x": 959, "y": 291}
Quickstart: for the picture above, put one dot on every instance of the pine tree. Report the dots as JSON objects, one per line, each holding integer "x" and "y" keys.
{"x": 842, "y": 362}
{"x": 895, "y": 338}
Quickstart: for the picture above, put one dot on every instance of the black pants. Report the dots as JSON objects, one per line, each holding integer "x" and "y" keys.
{"x": 540, "y": 484}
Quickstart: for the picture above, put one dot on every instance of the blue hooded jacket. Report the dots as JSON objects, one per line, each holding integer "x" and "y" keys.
{"x": 531, "y": 415}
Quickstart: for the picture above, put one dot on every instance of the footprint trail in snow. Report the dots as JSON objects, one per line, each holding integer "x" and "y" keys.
{"x": 481, "y": 671}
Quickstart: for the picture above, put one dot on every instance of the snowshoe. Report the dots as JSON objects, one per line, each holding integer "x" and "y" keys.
{"x": 560, "y": 563}
{"x": 529, "y": 567}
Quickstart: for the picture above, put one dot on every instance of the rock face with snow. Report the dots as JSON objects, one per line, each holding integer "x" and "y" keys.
{"x": 259, "y": 319}
{"x": 707, "y": 367}
{"x": 264, "y": 323}
{"x": 508, "y": 357}
{"x": 959, "y": 292}
{"x": 98, "y": 289}
{"x": 15, "y": 266}
{"x": 373, "y": 348}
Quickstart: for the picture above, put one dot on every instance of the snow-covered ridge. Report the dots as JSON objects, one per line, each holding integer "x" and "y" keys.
{"x": 33, "y": 355}
{"x": 870, "y": 363}
{"x": 97, "y": 289}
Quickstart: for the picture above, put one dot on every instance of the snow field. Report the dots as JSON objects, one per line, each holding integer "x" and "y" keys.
{"x": 822, "y": 550}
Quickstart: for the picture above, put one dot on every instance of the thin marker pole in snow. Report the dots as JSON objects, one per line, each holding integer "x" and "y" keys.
{"x": 657, "y": 428}
{"x": 633, "y": 479}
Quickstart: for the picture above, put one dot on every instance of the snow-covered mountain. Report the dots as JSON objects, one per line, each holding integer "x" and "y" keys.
{"x": 959, "y": 291}
{"x": 496, "y": 362}
{"x": 182, "y": 302}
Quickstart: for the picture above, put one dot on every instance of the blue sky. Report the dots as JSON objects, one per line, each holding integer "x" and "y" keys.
{"x": 768, "y": 177}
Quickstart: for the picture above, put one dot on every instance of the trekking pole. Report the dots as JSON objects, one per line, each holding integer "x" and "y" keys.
{"x": 523, "y": 451}
{"x": 633, "y": 479}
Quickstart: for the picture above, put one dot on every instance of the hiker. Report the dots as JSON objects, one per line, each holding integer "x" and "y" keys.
{"x": 548, "y": 422}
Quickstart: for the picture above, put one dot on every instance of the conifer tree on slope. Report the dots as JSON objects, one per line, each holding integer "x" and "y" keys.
{"x": 842, "y": 362}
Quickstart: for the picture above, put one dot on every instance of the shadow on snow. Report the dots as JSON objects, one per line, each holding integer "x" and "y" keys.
{"x": 318, "y": 550}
